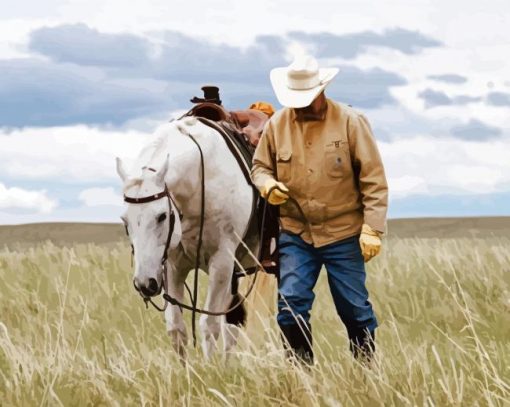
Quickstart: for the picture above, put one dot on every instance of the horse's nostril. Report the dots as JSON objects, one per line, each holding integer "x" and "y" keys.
{"x": 148, "y": 289}
{"x": 153, "y": 286}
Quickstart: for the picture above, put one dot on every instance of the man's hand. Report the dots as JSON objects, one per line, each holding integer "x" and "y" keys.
{"x": 276, "y": 190}
{"x": 370, "y": 242}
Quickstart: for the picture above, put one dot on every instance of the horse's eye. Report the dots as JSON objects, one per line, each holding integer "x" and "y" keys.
{"x": 161, "y": 217}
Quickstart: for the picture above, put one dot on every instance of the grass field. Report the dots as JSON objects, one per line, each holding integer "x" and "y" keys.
{"x": 73, "y": 332}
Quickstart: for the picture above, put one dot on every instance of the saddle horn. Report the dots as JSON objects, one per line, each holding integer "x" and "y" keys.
{"x": 211, "y": 95}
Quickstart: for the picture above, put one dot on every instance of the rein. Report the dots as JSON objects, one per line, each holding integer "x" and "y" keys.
{"x": 193, "y": 297}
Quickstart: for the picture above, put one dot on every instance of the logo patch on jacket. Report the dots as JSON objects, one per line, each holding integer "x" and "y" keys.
{"x": 335, "y": 143}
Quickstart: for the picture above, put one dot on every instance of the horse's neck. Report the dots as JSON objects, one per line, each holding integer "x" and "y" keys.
{"x": 183, "y": 177}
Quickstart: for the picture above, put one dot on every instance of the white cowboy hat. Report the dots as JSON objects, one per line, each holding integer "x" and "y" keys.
{"x": 299, "y": 84}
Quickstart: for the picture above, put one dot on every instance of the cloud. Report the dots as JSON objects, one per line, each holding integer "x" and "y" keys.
{"x": 434, "y": 98}
{"x": 475, "y": 130}
{"x": 100, "y": 197}
{"x": 498, "y": 99}
{"x": 67, "y": 154}
{"x": 406, "y": 185}
{"x": 348, "y": 46}
{"x": 100, "y": 78}
{"x": 449, "y": 78}
{"x": 364, "y": 88}
{"x": 170, "y": 55}
{"x": 14, "y": 198}
{"x": 82, "y": 45}
{"x": 40, "y": 93}
{"x": 445, "y": 166}
{"x": 465, "y": 99}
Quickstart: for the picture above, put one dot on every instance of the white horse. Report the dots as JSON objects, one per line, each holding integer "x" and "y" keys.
{"x": 173, "y": 161}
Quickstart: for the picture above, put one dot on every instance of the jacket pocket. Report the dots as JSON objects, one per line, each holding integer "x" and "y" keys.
{"x": 335, "y": 161}
{"x": 283, "y": 165}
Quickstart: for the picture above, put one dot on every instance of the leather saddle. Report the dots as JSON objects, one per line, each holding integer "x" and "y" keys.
{"x": 249, "y": 123}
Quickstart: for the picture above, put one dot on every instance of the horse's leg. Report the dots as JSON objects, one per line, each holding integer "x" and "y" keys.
{"x": 176, "y": 276}
{"x": 230, "y": 331}
{"x": 234, "y": 320}
{"x": 219, "y": 296}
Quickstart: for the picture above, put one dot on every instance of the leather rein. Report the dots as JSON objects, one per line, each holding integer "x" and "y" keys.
{"x": 193, "y": 297}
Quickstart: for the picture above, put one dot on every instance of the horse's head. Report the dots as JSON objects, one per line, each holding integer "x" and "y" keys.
{"x": 151, "y": 219}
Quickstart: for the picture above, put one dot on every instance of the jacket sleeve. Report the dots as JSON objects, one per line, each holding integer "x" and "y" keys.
{"x": 263, "y": 162}
{"x": 372, "y": 179}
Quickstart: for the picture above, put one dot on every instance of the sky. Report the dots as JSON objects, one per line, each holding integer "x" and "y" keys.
{"x": 84, "y": 81}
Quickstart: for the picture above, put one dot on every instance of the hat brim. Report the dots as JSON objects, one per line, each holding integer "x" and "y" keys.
{"x": 298, "y": 98}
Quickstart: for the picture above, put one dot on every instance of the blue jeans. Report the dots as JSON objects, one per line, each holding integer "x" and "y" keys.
{"x": 300, "y": 264}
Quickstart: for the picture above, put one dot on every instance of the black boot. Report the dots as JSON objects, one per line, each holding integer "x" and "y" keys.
{"x": 297, "y": 340}
{"x": 362, "y": 345}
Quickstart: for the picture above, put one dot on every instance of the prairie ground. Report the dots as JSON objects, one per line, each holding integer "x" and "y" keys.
{"x": 74, "y": 332}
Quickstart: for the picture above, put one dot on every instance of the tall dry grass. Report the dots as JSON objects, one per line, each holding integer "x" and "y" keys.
{"x": 73, "y": 332}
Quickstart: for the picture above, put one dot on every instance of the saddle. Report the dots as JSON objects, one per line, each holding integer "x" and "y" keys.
{"x": 241, "y": 130}
{"x": 248, "y": 123}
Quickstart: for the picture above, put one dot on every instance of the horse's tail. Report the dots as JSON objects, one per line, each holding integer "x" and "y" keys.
{"x": 238, "y": 315}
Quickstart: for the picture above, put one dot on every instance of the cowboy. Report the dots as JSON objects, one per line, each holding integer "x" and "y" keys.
{"x": 319, "y": 161}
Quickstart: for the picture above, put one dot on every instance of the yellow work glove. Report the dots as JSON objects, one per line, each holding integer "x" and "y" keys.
{"x": 277, "y": 196}
{"x": 370, "y": 242}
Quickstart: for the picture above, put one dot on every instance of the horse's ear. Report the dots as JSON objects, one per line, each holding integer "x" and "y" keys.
{"x": 160, "y": 175}
{"x": 121, "y": 170}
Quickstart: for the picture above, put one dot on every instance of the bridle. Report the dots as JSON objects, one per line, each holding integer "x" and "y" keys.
{"x": 151, "y": 198}
{"x": 193, "y": 297}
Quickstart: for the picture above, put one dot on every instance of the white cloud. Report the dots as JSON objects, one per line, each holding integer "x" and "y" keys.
{"x": 471, "y": 62}
{"x": 405, "y": 185}
{"x": 18, "y": 198}
{"x": 436, "y": 166}
{"x": 67, "y": 154}
{"x": 100, "y": 197}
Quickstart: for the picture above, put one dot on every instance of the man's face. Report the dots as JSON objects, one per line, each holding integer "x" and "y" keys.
{"x": 304, "y": 110}
{"x": 313, "y": 110}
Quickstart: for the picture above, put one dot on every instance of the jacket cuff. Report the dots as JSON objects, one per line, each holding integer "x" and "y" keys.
{"x": 260, "y": 181}
{"x": 378, "y": 225}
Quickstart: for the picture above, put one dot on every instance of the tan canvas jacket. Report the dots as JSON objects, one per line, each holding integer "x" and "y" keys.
{"x": 333, "y": 169}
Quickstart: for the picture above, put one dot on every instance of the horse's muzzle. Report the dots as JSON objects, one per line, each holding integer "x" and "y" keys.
{"x": 150, "y": 290}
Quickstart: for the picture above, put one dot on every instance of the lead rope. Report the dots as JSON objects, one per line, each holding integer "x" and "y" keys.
{"x": 199, "y": 245}
{"x": 290, "y": 199}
